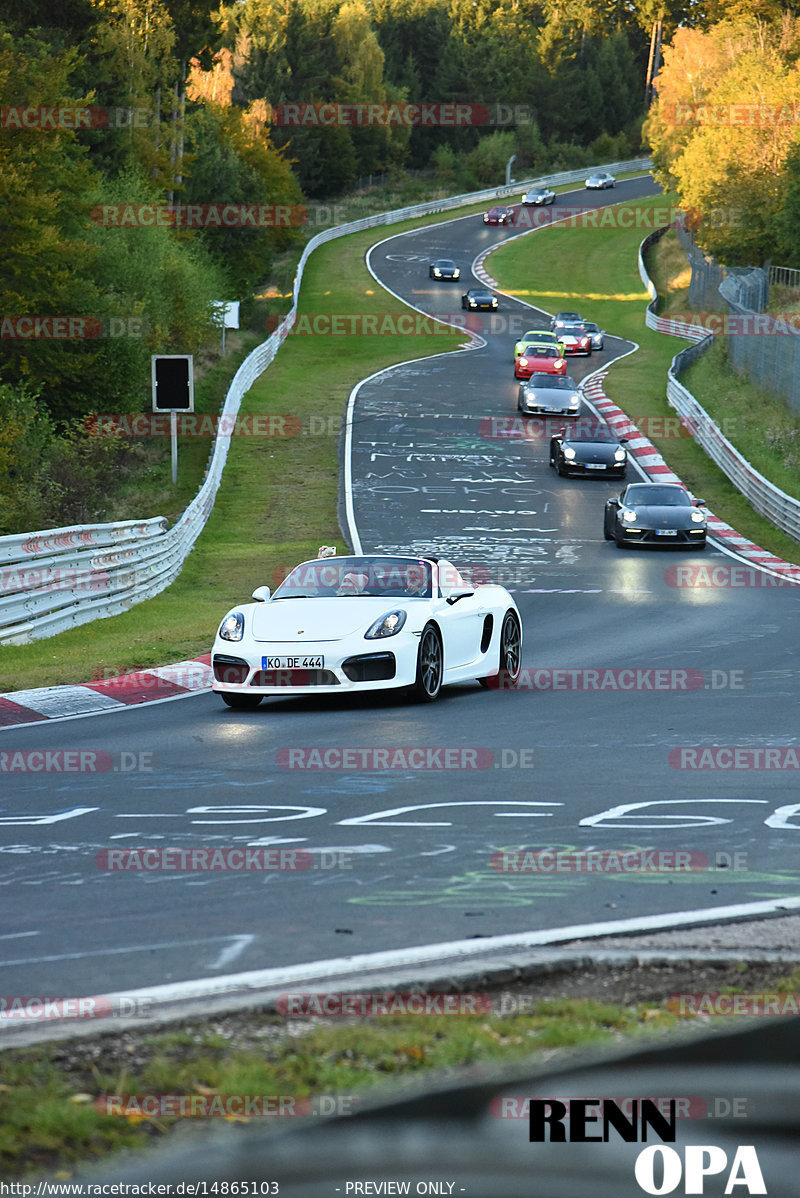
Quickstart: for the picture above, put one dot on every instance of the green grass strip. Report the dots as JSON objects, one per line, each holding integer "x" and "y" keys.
{"x": 48, "y": 1118}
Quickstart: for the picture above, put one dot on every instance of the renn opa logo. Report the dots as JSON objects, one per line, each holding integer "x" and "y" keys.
{"x": 575, "y": 1121}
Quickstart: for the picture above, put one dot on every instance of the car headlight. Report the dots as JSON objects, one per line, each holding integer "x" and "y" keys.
{"x": 575, "y": 401}
{"x": 522, "y": 361}
{"x": 456, "y": 273}
{"x": 388, "y": 625}
{"x": 232, "y": 627}
{"x": 559, "y": 362}
{"x": 619, "y": 455}
{"x": 569, "y": 453}
{"x": 698, "y": 518}
{"x": 437, "y": 274}
{"x": 494, "y": 303}
{"x": 628, "y": 516}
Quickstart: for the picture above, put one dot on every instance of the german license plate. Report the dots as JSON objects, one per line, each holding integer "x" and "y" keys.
{"x": 666, "y": 532}
{"x": 595, "y": 465}
{"x": 292, "y": 663}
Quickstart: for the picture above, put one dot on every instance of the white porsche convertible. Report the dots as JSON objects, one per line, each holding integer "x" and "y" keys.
{"x": 346, "y": 624}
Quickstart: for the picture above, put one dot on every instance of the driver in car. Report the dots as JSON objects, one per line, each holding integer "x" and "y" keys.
{"x": 415, "y": 582}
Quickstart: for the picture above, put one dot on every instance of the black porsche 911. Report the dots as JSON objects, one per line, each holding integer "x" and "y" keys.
{"x": 655, "y": 514}
{"x": 480, "y": 299}
{"x": 443, "y": 268}
{"x": 588, "y": 447}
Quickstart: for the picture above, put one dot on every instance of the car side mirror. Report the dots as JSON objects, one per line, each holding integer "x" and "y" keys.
{"x": 261, "y": 594}
{"x": 456, "y": 595}
{"x": 699, "y": 503}
{"x": 623, "y": 440}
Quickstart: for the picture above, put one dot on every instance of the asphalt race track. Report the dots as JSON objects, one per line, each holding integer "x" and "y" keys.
{"x": 403, "y": 856}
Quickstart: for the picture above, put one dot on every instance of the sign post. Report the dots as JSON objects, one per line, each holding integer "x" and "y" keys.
{"x": 172, "y": 377}
{"x": 226, "y": 313}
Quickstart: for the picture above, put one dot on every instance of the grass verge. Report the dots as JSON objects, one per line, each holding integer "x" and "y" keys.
{"x": 671, "y": 273}
{"x": 49, "y": 1096}
{"x": 760, "y": 424}
{"x": 597, "y": 270}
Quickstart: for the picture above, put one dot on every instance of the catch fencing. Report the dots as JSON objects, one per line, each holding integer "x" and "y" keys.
{"x": 766, "y": 349}
{"x": 768, "y": 500}
{"x": 60, "y": 578}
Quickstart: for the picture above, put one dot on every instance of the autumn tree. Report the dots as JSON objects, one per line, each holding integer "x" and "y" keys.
{"x": 722, "y": 130}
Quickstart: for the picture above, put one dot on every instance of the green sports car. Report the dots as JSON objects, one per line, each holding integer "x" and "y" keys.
{"x": 536, "y": 337}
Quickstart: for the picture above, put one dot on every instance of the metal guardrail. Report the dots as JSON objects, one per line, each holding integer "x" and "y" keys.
{"x": 88, "y": 572}
{"x": 664, "y": 324}
{"x": 784, "y": 276}
{"x": 768, "y": 500}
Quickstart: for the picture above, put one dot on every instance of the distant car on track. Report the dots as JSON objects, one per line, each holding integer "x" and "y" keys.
{"x": 444, "y": 268}
{"x": 341, "y": 625}
{"x": 479, "y": 299}
{"x": 564, "y": 318}
{"x": 595, "y": 332}
{"x": 600, "y": 181}
{"x": 535, "y": 337}
{"x": 499, "y": 215}
{"x": 575, "y": 339}
{"x": 655, "y": 514}
{"x": 538, "y": 196}
{"x": 545, "y": 359}
{"x": 589, "y": 447}
{"x": 549, "y": 395}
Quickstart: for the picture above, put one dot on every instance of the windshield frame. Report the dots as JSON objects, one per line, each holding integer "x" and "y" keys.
{"x": 682, "y": 497}
{"x": 385, "y": 577}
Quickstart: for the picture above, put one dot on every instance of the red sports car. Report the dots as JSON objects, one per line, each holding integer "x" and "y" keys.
{"x": 576, "y": 339}
{"x": 499, "y": 216}
{"x": 543, "y": 359}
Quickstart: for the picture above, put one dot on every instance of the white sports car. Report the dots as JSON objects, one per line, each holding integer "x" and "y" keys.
{"x": 600, "y": 181}
{"x": 345, "y": 624}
